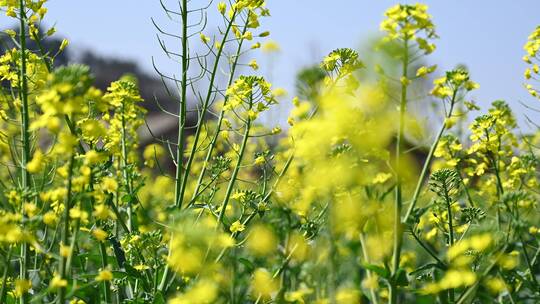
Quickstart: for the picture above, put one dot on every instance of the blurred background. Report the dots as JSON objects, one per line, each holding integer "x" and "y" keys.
{"x": 117, "y": 36}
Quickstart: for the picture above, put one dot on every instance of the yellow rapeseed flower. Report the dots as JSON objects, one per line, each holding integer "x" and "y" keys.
{"x": 57, "y": 282}
{"x": 262, "y": 241}
{"x": 237, "y": 227}
{"x": 104, "y": 275}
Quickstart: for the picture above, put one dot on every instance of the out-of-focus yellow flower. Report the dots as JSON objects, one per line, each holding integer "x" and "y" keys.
{"x": 65, "y": 251}
{"x": 262, "y": 240}
{"x": 100, "y": 234}
{"x": 109, "y": 184}
{"x": 22, "y": 287}
{"x": 263, "y": 285}
{"x": 50, "y": 218}
{"x": 151, "y": 153}
{"x": 104, "y": 275}
{"x": 271, "y": 47}
{"x": 102, "y": 212}
{"x": 36, "y": 164}
{"x": 203, "y": 292}
{"x": 57, "y": 282}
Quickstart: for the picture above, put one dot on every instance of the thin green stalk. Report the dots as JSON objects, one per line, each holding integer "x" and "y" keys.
{"x": 235, "y": 171}
{"x": 183, "y": 105}
{"x": 428, "y": 250}
{"x": 5, "y": 275}
{"x": 72, "y": 245}
{"x": 331, "y": 264}
{"x": 65, "y": 232}
{"x": 25, "y": 134}
{"x": 125, "y": 173}
{"x": 451, "y": 294}
{"x": 529, "y": 271}
{"x": 398, "y": 231}
{"x": 219, "y": 121}
{"x": 181, "y": 125}
{"x": 528, "y": 260}
{"x": 427, "y": 162}
{"x": 197, "y": 135}
{"x": 510, "y": 296}
{"x": 42, "y": 51}
{"x": 500, "y": 189}
{"x": 450, "y": 220}
{"x": 466, "y": 189}
{"x": 25, "y": 120}
{"x": 102, "y": 248}
{"x": 372, "y": 292}
{"x": 265, "y": 198}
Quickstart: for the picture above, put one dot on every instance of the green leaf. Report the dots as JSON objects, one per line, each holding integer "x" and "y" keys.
{"x": 249, "y": 265}
{"x": 401, "y": 277}
{"x": 127, "y": 198}
{"x": 381, "y": 271}
{"x": 132, "y": 272}
{"x": 158, "y": 298}
{"x": 425, "y": 267}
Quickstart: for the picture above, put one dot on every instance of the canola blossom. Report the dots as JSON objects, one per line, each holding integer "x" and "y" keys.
{"x": 355, "y": 201}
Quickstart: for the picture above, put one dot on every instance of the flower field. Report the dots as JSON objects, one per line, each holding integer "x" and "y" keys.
{"x": 353, "y": 201}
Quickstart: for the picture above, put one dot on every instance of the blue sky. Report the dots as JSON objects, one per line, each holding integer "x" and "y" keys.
{"x": 487, "y": 36}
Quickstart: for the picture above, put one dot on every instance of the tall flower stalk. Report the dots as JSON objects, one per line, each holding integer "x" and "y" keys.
{"x": 411, "y": 27}
{"x": 25, "y": 137}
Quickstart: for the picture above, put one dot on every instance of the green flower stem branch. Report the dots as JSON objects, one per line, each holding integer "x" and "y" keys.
{"x": 236, "y": 169}
{"x": 25, "y": 135}
{"x": 427, "y": 162}
{"x": 214, "y": 139}
{"x": 203, "y": 110}
{"x": 63, "y": 265}
{"x": 398, "y": 229}
{"x": 183, "y": 106}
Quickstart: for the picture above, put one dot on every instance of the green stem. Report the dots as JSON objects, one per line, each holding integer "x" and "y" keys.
{"x": 427, "y": 163}
{"x": 73, "y": 245}
{"x": 372, "y": 292}
{"x": 428, "y": 250}
{"x": 235, "y": 171}
{"x": 533, "y": 264}
{"x": 25, "y": 134}
{"x": 264, "y": 199}
{"x": 450, "y": 220}
{"x": 125, "y": 173}
{"x": 102, "y": 248}
{"x": 183, "y": 106}
{"x": 398, "y": 231}
{"x": 219, "y": 122}
{"x": 65, "y": 232}
{"x": 5, "y": 275}
{"x": 181, "y": 126}
{"x": 451, "y": 294}
{"x": 528, "y": 260}
{"x": 25, "y": 156}
{"x": 197, "y": 135}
